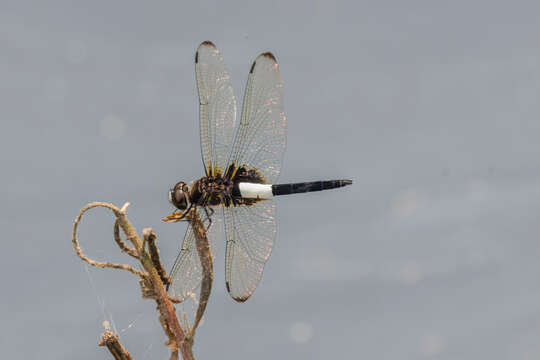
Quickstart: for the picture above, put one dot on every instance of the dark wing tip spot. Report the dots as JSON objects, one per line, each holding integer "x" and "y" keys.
{"x": 204, "y": 43}
{"x": 269, "y": 55}
{"x": 241, "y": 299}
{"x": 208, "y": 43}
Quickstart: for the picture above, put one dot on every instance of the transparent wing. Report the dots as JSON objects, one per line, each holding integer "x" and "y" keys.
{"x": 261, "y": 136}
{"x": 217, "y": 110}
{"x": 186, "y": 273}
{"x": 251, "y": 232}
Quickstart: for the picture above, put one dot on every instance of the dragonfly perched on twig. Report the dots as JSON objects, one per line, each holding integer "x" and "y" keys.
{"x": 240, "y": 175}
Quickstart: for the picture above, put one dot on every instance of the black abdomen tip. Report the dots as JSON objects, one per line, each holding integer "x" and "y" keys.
{"x": 285, "y": 189}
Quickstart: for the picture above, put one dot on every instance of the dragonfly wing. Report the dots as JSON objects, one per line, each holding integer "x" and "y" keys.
{"x": 261, "y": 136}
{"x": 217, "y": 110}
{"x": 251, "y": 232}
{"x": 186, "y": 273}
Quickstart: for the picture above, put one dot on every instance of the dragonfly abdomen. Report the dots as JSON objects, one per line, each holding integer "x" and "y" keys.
{"x": 295, "y": 188}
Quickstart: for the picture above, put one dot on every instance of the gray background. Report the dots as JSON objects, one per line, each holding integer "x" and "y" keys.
{"x": 431, "y": 107}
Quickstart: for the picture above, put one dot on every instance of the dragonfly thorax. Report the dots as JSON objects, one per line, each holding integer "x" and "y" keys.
{"x": 211, "y": 184}
{"x": 210, "y": 191}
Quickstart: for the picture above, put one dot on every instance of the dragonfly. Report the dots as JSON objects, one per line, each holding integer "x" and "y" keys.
{"x": 241, "y": 173}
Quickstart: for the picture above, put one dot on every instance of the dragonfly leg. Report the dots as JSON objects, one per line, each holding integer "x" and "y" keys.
{"x": 227, "y": 199}
{"x": 208, "y": 211}
{"x": 185, "y": 213}
{"x": 177, "y": 216}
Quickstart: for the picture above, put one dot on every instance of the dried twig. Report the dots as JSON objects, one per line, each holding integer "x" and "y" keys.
{"x": 123, "y": 246}
{"x": 150, "y": 238}
{"x": 110, "y": 340}
{"x": 205, "y": 256}
{"x": 170, "y": 335}
{"x": 152, "y": 281}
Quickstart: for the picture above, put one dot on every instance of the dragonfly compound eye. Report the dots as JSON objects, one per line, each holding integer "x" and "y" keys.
{"x": 178, "y": 196}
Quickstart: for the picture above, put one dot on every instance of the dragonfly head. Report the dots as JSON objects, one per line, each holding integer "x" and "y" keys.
{"x": 179, "y": 196}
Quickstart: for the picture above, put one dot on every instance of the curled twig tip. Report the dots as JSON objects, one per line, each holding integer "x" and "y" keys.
{"x": 80, "y": 253}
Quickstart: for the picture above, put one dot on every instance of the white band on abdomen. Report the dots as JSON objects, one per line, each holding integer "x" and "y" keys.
{"x": 255, "y": 191}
